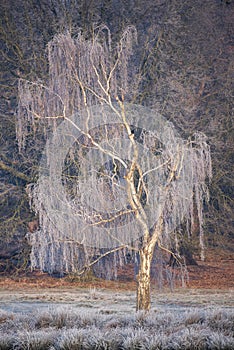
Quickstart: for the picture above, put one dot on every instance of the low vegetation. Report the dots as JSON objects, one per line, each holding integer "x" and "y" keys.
{"x": 66, "y": 328}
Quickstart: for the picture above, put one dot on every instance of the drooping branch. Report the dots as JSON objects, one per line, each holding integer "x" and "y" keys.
{"x": 106, "y": 182}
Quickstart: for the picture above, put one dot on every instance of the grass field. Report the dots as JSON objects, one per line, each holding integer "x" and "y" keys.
{"x": 92, "y": 318}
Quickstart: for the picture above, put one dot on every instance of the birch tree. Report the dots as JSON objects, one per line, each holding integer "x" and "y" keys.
{"x": 114, "y": 176}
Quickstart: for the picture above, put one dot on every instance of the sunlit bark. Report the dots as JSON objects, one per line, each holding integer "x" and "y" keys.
{"x": 143, "y": 280}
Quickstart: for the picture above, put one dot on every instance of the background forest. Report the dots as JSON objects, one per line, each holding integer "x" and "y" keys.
{"x": 185, "y": 54}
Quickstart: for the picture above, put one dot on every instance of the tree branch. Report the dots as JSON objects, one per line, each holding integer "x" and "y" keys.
{"x": 14, "y": 172}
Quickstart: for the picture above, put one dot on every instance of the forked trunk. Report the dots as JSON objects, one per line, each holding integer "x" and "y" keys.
{"x": 143, "y": 280}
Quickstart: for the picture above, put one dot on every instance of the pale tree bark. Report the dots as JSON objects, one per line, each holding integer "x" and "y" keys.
{"x": 143, "y": 280}
{"x": 144, "y": 275}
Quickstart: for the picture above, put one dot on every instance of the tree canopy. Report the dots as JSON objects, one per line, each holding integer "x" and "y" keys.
{"x": 185, "y": 57}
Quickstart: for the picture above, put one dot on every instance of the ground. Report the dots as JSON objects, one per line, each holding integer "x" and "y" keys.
{"x": 216, "y": 272}
{"x": 41, "y": 312}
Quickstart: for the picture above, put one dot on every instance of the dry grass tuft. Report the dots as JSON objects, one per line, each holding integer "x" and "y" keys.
{"x": 66, "y": 329}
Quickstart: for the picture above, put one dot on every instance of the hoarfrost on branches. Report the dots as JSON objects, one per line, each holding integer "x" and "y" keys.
{"x": 115, "y": 177}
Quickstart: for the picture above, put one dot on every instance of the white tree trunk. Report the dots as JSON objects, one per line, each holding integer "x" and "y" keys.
{"x": 143, "y": 279}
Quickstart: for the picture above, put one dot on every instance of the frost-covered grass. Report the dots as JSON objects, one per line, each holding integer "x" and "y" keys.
{"x": 71, "y": 328}
{"x": 95, "y": 318}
